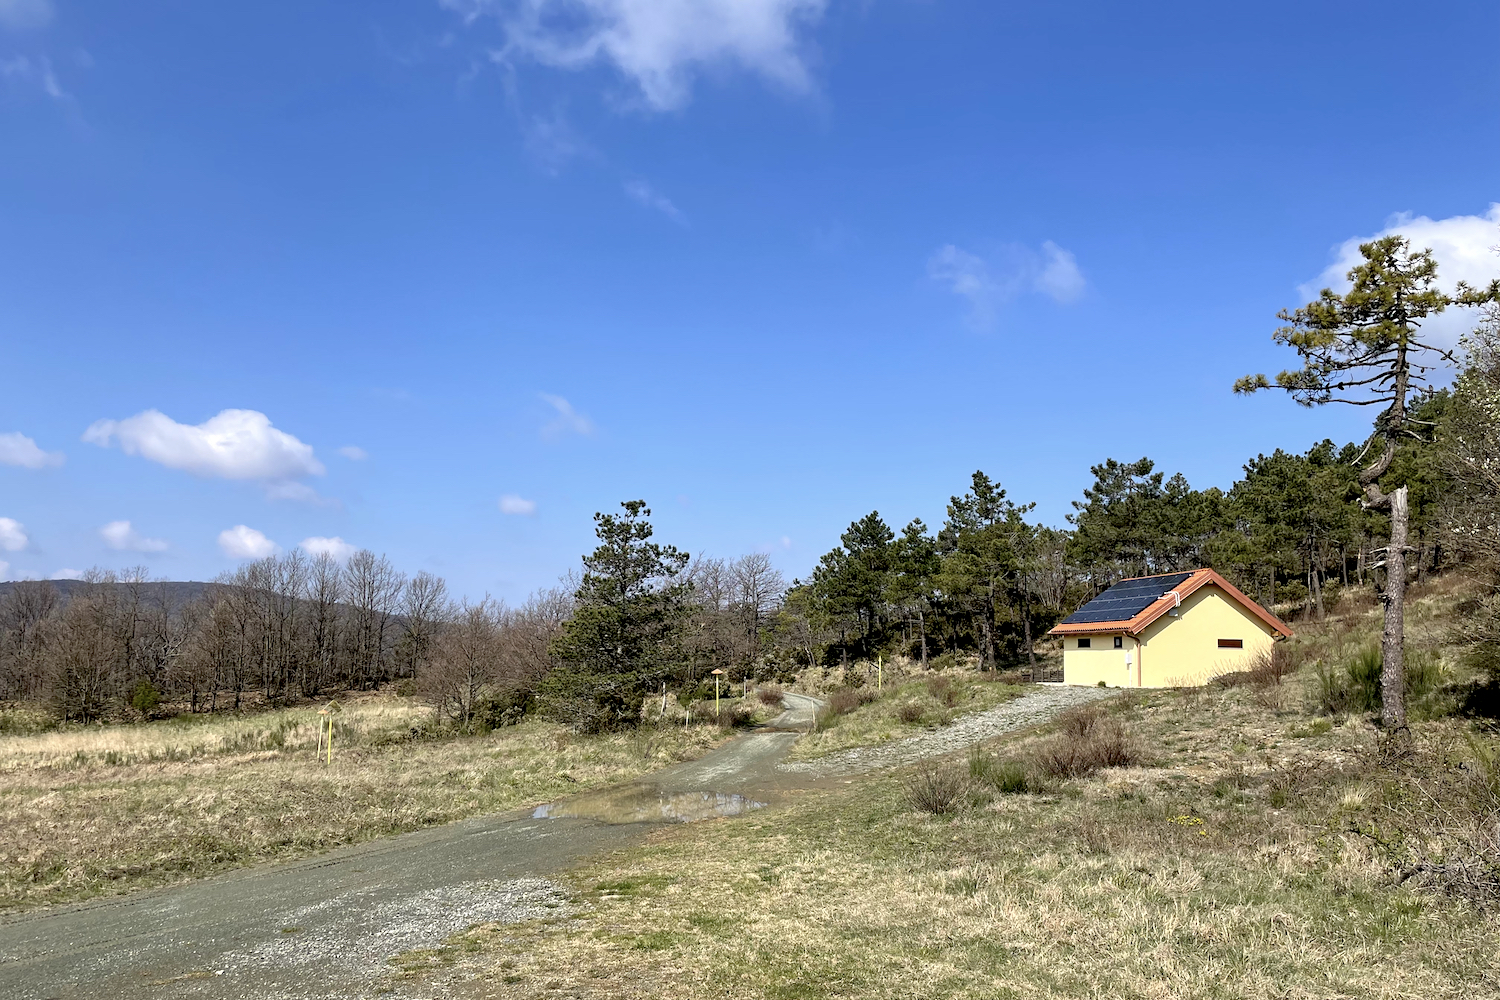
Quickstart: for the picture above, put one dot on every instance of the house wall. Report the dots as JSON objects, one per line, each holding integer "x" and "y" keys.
{"x": 1184, "y": 651}
{"x": 1100, "y": 663}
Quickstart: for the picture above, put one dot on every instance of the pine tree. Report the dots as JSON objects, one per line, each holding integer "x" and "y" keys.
{"x": 623, "y": 637}
{"x": 1365, "y": 348}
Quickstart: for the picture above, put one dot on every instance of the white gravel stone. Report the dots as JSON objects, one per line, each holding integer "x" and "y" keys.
{"x": 1034, "y": 709}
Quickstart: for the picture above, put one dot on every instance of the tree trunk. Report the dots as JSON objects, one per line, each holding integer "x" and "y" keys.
{"x": 922, "y": 629}
{"x": 1026, "y": 630}
{"x": 1393, "y": 673}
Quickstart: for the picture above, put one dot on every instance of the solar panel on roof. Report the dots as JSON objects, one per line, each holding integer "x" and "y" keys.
{"x": 1125, "y": 600}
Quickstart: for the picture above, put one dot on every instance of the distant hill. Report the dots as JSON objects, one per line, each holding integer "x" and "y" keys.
{"x": 178, "y": 593}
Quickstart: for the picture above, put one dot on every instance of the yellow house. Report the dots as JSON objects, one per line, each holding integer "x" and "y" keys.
{"x": 1172, "y": 630}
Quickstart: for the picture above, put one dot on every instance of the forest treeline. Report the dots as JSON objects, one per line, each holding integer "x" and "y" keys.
{"x": 643, "y": 617}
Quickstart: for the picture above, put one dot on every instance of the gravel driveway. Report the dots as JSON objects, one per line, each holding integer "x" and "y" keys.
{"x": 1034, "y": 709}
{"x": 323, "y": 927}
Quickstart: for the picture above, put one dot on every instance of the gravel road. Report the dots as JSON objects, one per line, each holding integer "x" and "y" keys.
{"x": 324, "y": 927}
{"x": 1036, "y": 708}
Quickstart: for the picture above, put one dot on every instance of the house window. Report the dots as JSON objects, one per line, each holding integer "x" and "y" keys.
{"x": 1084, "y": 643}
{"x": 1231, "y": 643}
{"x": 1119, "y": 642}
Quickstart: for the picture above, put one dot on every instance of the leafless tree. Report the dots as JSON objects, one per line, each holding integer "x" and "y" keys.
{"x": 758, "y": 589}
{"x": 325, "y": 590}
{"x": 465, "y": 661}
{"x": 424, "y": 608}
{"x": 372, "y": 586}
{"x": 26, "y": 616}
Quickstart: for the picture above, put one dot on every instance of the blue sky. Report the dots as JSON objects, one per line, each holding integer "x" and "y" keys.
{"x": 768, "y": 264}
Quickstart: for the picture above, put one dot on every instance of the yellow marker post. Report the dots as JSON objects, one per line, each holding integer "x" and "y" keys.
{"x": 327, "y": 712}
{"x": 717, "y": 673}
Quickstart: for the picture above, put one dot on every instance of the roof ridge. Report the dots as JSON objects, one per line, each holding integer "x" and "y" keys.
{"x": 1132, "y": 612}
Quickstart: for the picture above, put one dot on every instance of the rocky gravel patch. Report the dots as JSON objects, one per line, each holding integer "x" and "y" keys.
{"x": 1034, "y": 709}
{"x": 363, "y": 934}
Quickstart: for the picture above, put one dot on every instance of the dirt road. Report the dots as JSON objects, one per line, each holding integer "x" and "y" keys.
{"x": 325, "y": 927}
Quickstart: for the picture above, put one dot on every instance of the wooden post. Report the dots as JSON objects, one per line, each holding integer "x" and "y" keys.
{"x": 1392, "y": 645}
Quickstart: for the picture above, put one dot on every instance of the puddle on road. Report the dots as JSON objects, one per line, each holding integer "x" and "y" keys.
{"x": 648, "y": 805}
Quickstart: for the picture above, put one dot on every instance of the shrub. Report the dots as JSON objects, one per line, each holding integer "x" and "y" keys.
{"x": 943, "y": 661}
{"x": 1275, "y": 663}
{"x": 1088, "y": 741}
{"x": 731, "y": 714}
{"x": 1354, "y": 685}
{"x": 1231, "y": 679}
{"x": 943, "y": 691}
{"x": 910, "y": 712}
{"x": 1008, "y": 777}
{"x": 145, "y": 698}
{"x": 940, "y": 791}
{"x": 1424, "y": 673}
{"x": 496, "y": 709}
{"x": 770, "y": 695}
{"x": 1080, "y": 721}
{"x": 26, "y": 721}
{"x": 736, "y": 716}
{"x": 846, "y": 699}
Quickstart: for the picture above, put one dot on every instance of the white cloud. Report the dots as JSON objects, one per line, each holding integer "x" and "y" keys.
{"x": 551, "y": 141}
{"x": 644, "y": 194}
{"x": 512, "y": 504}
{"x": 659, "y": 45}
{"x": 18, "y": 449}
{"x": 335, "y": 547}
{"x": 1059, "y": 277}
{"x": 990, "y": 283}
{"x": 567, "y": 421}
{"x": 354, "y": 453}
{"x": 1464, "y": 247}
{"x": 20, "y": 14}
{"x": 26, "y": 72}
{"x": 12, "y": 535}
{"x": 68, "y": 574}
{"x": 241, "y": 542}
{"x": 236, "y": 444}
{"x": 121, "y": 536}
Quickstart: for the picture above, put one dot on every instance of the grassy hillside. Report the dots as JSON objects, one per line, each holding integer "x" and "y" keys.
{"x": 1258, "y": 847}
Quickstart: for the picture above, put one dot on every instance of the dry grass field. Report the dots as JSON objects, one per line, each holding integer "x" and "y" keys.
{"x": 101, "y": 809}
{"x": 867, "y": 717}
{"x": 1258, "y": 848}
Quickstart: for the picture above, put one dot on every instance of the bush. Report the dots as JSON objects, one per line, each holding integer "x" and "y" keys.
{"x": 737, "y": 715}
{"x": 944, "y": 661}
{"x": 1272, "y": 665}
{"x": 770, "y": 695}
{"x": 1088, "y": 741}
{"x": 1424, "y": 673}
{"x": 1008, "y": 777}
{"x": 26, "y": 721}
{"x": 943, "y": 691}
{"x": 1354, "y": 685}
{"x": 846, "y": 699}
{"x": 940, "y": 791}
{"x": 497, "y": 709}
{"x": 910, "y": 712}
{"x": 144, "y": 698}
